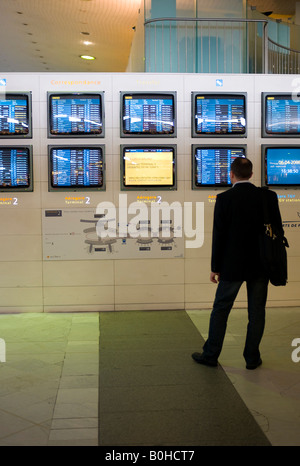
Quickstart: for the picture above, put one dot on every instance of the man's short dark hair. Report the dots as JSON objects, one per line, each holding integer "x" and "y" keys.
{"x": 242, "y": 168}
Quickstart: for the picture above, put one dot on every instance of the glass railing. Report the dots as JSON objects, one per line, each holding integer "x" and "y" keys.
{"x": 218, "y": 45}
{"x": 282, "y": 60}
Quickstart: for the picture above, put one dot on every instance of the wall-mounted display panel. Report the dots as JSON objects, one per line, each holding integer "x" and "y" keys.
{"x": 16, "y": 170}
{"x": 148, "y": 167}
{"x": 280, "y": 115}
{"x": 280, "y": 165}
{"x": 76, "y": 168}
{"x": 76, "y": 114}
{"x": 219, "y": 114}
{"x": 148, "y": 114}
{"x": 211, "y": 164}
{"x": 15, "y": 115}
{"x": 72, "y": 234}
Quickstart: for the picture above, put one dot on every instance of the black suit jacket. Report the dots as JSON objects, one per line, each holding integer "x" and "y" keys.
{"x": 238, "y": 223}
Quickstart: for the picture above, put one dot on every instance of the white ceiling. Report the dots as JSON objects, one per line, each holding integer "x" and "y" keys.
{"x": 48, "y": 35}
{"x": 280, "y": 7}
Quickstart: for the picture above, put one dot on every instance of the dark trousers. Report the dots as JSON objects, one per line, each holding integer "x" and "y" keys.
{"x": 225, "y": 296}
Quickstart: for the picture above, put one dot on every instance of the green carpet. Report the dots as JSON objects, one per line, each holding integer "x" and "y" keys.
{"x": 151, "y": 392}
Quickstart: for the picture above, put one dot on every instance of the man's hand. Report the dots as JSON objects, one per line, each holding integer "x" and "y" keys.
{"x": 214, "y": 277}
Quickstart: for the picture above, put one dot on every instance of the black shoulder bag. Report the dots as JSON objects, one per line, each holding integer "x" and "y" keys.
{"x": 273, "y": 249}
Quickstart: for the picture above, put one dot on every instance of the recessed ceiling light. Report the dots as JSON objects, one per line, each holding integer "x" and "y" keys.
{"x": 87, "y": 57}
{"x": 86, "y": 42}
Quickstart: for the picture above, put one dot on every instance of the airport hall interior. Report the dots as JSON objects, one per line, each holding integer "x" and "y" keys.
{"x": 128, "y": 240}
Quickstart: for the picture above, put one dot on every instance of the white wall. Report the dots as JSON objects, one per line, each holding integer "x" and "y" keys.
{"x": 31, "y": 284}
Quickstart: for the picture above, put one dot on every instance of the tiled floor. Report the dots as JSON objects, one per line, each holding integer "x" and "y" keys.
{"x": 49, "y": 382}
{"x": 49, "y": 376}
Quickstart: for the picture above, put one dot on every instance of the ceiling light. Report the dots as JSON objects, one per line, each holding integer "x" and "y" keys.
{"x": 87, "y": 57}
{"x": 86, "y": 42}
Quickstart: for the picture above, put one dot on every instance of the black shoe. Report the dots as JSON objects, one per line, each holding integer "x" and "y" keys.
{"x": 254, "y": 366}
{"x": 201, "y": 360}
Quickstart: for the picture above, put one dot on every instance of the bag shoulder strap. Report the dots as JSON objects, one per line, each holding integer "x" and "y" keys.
{"x": 265, "y": 205}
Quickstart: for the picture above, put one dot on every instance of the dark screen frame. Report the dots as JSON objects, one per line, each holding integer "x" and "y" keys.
{"x": 70, "y": 95}
{"x": 148, "y": 95}
{"x": 21, "y": 189}
{"x": 77, "y": 188}
{"x": 264, "y": 133}
{"x": 216, "y": 95}
{"x": 264, "y": 171}
{"x": 211, "y": 146}
{"x": 123, "y": 187}
{"x": 18, "y": 95}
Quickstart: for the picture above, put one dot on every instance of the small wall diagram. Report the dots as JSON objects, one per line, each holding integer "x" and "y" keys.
{"x": 71, "y": 234}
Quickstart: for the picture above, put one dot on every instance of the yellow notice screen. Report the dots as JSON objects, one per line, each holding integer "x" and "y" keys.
{"x": 148, "y": 167}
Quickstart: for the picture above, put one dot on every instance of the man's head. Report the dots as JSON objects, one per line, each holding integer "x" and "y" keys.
{"x": 241, "y": 169}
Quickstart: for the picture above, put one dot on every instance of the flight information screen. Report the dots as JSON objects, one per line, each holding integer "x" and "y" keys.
{"x": 14, "y": 168}
{"x": 148, "y": 114}
{"x": 212, "y": 165}
{"x": 282, "y": 115}
{"x": 149, "y": 167}
{"x": 75, "y": 115}
{"x": 219, "y": 114}
{"x": 14, "y": 115}
{"x": 76, "y": 167}
{"x": 282, "y": 166}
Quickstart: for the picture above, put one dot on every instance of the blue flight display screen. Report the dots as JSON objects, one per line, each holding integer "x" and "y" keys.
{"x": 14, "y": 167}
{"x": 220, "y": 115}
{"x": 74, "y": 167}
{"x": 153, "y": 115}
{"x": 212, "y": 165}
{"x": 282, "y": 165}
{"x": 282, "y": 115}
{"x": 75, "y": 114}
{"x": 14, "y": 115}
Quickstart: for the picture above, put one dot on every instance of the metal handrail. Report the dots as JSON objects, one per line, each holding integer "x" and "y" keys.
{"x": 230, "y": 20}
{"x": 282, "y": 59}
{"x": 283, "y": 46}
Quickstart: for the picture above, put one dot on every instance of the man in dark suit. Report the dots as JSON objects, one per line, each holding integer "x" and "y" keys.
{"x": 238, "y": 224}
